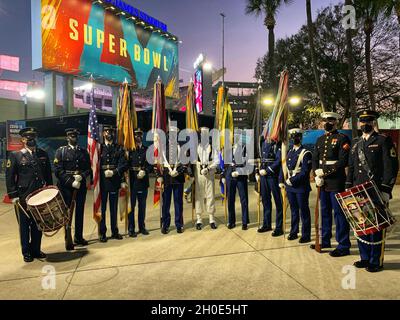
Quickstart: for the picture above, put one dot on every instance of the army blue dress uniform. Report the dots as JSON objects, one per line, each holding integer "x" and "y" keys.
{"x": 173, "y": 177}
{"x": 330, "y": 159}
{"x": 113, "y": 165}
{"x": 71, "y": 162}
{"x": 27, "y": 171}
{"x": 269, "y": 181}
{"x": 139, "y": 170}
{"x": 237, "y": 180}
{"x": 297, "y": 185}
{"x": 373, "y": 157}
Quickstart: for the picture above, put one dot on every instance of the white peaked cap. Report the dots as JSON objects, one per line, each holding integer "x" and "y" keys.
{"x": 326, "y": 115}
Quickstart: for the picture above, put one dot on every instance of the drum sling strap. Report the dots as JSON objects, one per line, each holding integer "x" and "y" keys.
{"x": 363, "y": 158}
{"x": 296, "y": 170}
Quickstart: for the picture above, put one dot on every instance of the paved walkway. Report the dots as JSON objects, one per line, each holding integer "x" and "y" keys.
{"x": 208, "y": 264}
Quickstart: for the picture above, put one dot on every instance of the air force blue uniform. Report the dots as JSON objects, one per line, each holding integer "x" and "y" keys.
{"x": 298, "y": 190}
{"x": 271, "y": 162}
{"x": 239, "y": 184}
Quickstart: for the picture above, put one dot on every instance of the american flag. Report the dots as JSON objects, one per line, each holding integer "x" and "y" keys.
{"x": 94, "y": 152}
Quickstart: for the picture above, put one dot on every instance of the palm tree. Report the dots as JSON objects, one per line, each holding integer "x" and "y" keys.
{"x": 313, "y": 56}
{"x": 270, "y": 8}
{"x": 352, "y": 89}
{"x": 369, "y": 11}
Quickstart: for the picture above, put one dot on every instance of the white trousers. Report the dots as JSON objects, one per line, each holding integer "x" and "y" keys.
{"x": 205, "y": 194}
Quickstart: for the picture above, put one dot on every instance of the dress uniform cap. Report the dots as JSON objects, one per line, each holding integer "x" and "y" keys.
{"x": 72, "y": 131}
{"x": 330, "y": 115}
{"x": 367, "y": 115}
{"x": 108, "y": 128}
{"x": 138, "y": 132}
{"x": 28, "y": 132}
{"x": 295, "y": 131}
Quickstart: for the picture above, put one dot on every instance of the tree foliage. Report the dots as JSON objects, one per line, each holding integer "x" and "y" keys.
{"x": 293, "y": 53}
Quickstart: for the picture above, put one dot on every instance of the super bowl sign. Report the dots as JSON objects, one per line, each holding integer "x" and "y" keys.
{"x": 83, "y": 38}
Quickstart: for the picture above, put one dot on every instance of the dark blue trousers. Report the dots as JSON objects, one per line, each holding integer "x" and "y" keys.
{"x": 139, "y": 197}
{"x": 177, "y": 191}
{"x": 113, "y": 211}
{"x": 329, "y": 202}
{"x": 241, "y": 185}
{"x": 373, "y": 254}
{"x": 31, "y": 237}
{"x": 299, "y": 202}
{"x": 271, "y": 185}
{"x": 79, "y": 208}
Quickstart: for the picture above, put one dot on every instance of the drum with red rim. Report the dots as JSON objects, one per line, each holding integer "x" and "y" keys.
{"x": 364, "y": 209}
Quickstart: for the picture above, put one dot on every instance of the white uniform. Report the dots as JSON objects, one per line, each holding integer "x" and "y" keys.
{"x": 205, "y": 184}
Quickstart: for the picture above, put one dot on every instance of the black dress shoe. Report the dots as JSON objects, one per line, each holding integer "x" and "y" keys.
{"x": 304, "y": 240}
{"x": 264, "y": 229}
{"x": 362, "y": 264}
{"x": 28, "y": 258}
{"x": 179, "y": 230}
{"x": 277, "y": 233}
{"x": 199, "y": 226}
{"x": 231, "y": 226}
{"x": 244, "y": 227}
{"x": 292, "y": 237}
{"x": 337, "y": 253}
{"x": 374, "y": 269}
{"x": 312, "y": 246}
{"x": 144, "y": 232}
{"x": 103, "y": 238}
{"x": 164, "y": 231}
{"x": 81, "y": 242}
{"x": 41, "y": 255}
{"x": 117, "y": 237}
{"x": 132, "y": 234}
{"x": 69, "y": 247}
{"x": 213, "y": 226}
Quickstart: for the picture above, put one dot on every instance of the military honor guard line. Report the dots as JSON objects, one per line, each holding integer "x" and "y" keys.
{"x": 338, "y": 164}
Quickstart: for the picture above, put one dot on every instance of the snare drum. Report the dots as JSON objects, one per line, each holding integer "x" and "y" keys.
{"x": 364, "y": 209}
{"x": 48, "y": 209}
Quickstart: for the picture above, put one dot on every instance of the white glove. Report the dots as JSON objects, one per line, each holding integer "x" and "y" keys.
{"x": 289, "y": 183}
{"x": 15, "y": 200}
{"x": 319, "y": 181}
{"x": 160, "y": 180}
{"x": 78, "y": 178}
{"x": 263, "y": 172}
{"x": 223, "y": 180}
{"x": 141, "y": 174}
{"x": 319, "y": 173}
{"x": 385, "y": 197}
{"x": 204, "y": 172}
{"x": 124, "y": 185}
{"x": 109, "y": 173}
{"x": 257, "y": 178}
{"x": 76, "y": 185}
{"x": 235, "y": 174}
{"x": 282, "y": 185}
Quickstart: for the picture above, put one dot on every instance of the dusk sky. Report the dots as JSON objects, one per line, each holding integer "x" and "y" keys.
{"x": 197, "y": 23}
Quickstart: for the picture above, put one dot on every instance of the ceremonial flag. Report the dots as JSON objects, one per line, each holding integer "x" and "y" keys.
{"x": 191, "y": 113}
{"x": 94, "y": 152}
{"x": 159, "y": 122}
{"x": 276, "y": 130}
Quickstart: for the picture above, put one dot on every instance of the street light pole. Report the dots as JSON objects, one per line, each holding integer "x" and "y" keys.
{"x": 223, "y": 48}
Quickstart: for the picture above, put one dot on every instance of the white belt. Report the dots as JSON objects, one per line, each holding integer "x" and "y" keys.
{"x": 328, "y": 163}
